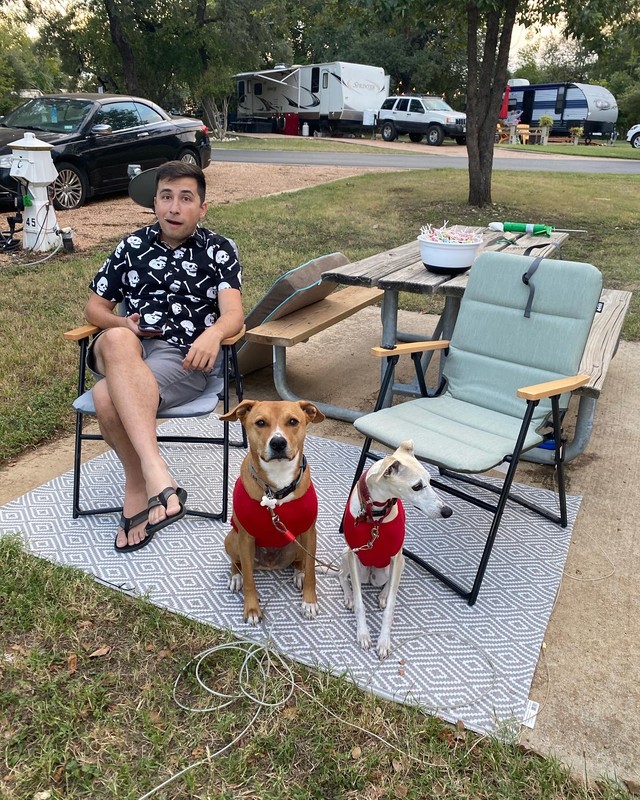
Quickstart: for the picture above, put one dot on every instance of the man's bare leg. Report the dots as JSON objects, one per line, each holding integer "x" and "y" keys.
{"x": 126, "y": 404}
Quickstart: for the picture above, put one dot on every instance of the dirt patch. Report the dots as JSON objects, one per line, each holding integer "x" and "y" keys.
{"x": 103, "y": 221}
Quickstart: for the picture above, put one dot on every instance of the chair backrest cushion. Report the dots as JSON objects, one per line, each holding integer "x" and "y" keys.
{"x": 296, "y": 289}
{"x": 496, "y": 350}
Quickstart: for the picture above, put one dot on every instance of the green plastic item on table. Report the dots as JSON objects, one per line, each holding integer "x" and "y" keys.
{"x": 521, "y": 227}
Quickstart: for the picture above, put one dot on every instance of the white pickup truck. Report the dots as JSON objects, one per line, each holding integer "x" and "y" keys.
{"x": 420, "y": 116}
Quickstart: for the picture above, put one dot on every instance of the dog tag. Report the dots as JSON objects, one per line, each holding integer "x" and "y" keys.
{"x": 268, "y": 502}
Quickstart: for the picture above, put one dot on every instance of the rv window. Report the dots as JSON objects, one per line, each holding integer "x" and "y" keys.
{"x": 257, "y": 89}
{"x": 240, "y": 88}
{"x": 560, "y": 99}
{"x": 315, "y": 79}
{"x": 403, "y": 104}
{"x": 416, "y": 106}
{"x": 325, "y": 80}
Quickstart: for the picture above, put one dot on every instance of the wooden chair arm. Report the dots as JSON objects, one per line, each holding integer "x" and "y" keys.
{"x": 236, "y": 338}
{"x": 410, "y": 347}
{"x": 552, "y": 388}
{"x": 77, "y": 334}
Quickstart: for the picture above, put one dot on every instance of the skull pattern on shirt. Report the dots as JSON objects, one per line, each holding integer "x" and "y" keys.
{"x": 178, "y": 288}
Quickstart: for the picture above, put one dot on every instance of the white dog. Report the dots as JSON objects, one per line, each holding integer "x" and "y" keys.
{"x": 374, "y": 526}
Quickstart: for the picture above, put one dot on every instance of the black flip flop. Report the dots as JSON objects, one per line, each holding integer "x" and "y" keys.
{"x": 161, "y": 500}
{"x": 126, "y": 523}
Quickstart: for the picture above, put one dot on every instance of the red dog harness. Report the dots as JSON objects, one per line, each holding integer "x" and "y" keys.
{"x": 362, "y": 533}
{"x": 296, "y": 516}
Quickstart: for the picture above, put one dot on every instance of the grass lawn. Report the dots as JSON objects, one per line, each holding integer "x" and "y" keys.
{"x": 86, "y": 674}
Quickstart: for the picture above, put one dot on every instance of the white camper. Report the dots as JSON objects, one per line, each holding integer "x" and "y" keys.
{"x": 331, "y": 96}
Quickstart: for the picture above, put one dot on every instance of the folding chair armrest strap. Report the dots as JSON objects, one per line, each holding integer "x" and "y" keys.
{"x": 553, "y": 388}
{"x": 410, "y": 347}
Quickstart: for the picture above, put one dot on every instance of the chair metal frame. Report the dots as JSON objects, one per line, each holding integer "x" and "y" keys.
{"x": 505, "y": 493}
{"x": 230, "y": 372}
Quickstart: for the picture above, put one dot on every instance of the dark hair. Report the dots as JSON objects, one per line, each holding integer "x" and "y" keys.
{"x": 174, "y": 170}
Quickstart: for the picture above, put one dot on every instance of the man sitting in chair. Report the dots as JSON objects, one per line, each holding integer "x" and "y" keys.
{"x": 180, "y": 285}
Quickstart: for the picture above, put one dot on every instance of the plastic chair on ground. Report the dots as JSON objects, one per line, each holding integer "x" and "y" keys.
{"x": 508, "y": 373}
{"x": 523, "y": 133}
{"x": 216, "y": 389}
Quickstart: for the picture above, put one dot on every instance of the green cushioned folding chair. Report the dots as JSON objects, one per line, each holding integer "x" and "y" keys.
{"x": 508, "y": 374}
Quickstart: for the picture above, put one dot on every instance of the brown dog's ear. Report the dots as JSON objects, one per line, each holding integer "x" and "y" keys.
{"x": 239, "y": 412}
{"x": 312, "y": 413}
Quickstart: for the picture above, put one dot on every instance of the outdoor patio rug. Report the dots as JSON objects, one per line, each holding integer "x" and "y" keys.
{"x": 473, "y": 664}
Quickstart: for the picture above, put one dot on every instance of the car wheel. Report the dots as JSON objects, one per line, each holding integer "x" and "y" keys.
{"x": 189, "y": 157}
{"x": 435, "y": 135}
{"x": 388, "y": 131}
{"x": 463, "y": 140}
{"x": 635, "y": 141}
{"x": 70, "y": 188}
{"x": 416, "y": 137}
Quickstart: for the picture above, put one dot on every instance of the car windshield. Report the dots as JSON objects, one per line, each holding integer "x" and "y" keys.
{"x": 436, "y": 104}
{"x": 56, "y": 115}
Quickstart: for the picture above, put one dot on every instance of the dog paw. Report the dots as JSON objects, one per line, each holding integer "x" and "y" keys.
{"x": 309, "y": 610}
{"x": 252, "y": 617}
{"x": 235, "y": 582}
{"x": 348, "y": 601}
{"x": 364, "y": 640}
{"x": 298, "y": 579}
{"x": 383, "y": 648}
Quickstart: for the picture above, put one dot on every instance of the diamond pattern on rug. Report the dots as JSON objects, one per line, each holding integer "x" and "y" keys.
{"x": 473, "y": 664}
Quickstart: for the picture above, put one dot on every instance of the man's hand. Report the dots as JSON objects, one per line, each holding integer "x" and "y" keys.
{"x": 133, "y": 323}
{"x": 203, "y": 352}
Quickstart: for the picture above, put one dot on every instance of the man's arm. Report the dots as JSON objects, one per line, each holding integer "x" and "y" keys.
{"x": 99, "y": 311}
{"x": 204, "y": 350}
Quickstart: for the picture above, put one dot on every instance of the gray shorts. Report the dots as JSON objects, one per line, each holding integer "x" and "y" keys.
{"x": 176, "y": 385}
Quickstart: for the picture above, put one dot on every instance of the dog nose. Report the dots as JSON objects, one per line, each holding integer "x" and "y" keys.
{"x": 446, "y": 511}
{"x": 278, "y": 444}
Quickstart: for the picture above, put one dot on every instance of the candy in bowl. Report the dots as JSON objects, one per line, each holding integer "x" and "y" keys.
{"x": 449, "y": 250}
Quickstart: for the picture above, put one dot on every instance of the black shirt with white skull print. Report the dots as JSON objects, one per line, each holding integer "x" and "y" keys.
{"x": 173, "y": 290}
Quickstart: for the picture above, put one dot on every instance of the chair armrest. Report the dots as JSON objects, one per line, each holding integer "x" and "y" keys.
{"x": 552, "y": 388}
{"x": 233, "y": 339}
{"x": 77, "y": 334}
{"x": 410, "y": 347}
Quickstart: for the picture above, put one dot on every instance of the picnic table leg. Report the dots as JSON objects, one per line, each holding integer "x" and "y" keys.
{"x": 581, "y": 436}
{"x": 285, "y": 393}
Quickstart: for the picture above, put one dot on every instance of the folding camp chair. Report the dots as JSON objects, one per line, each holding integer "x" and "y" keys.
{"x": 508, "y": 373}
{"x": 203, "y": 405}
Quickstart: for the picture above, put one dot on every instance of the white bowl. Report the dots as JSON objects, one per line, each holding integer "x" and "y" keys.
{"x": 447, "y": 257}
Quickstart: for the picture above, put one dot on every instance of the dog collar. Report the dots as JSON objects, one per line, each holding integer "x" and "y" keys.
{"x": 369, "y": 509}
{"x": 278, "y": 494}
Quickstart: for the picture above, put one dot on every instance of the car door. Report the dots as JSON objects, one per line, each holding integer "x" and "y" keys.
{"x": 109, "y": 154}
{"x": 416, "y": 116}
{"x": 159, "y": 135}
{"x": 400, "y": 114}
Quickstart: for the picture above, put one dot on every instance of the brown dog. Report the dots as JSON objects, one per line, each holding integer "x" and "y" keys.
{"x": 274, "y": 502}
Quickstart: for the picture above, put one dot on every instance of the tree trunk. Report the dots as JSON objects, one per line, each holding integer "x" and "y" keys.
{"x": 130, "y": 73}
{"x": 487, "y": 78}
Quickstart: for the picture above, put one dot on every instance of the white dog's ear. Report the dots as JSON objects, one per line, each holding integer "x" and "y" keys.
{"x": 407, "y": 445}
{"x": 392, "y": 469}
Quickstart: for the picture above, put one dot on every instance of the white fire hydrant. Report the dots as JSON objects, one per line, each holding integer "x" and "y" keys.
{"x": 33, "y": 167}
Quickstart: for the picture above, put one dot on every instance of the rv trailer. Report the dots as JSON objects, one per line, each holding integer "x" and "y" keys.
{"x": 328, "y": 97}
{"x": 571, "y": 105}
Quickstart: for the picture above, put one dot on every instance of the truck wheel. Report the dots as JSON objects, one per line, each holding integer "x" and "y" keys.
{"x": 435, "y": 135}
{"x": 635, "y": 142}
{"x": 461, "y": 139}
{"x": 388, "y": 131}
{"x": 416, "y": 137}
